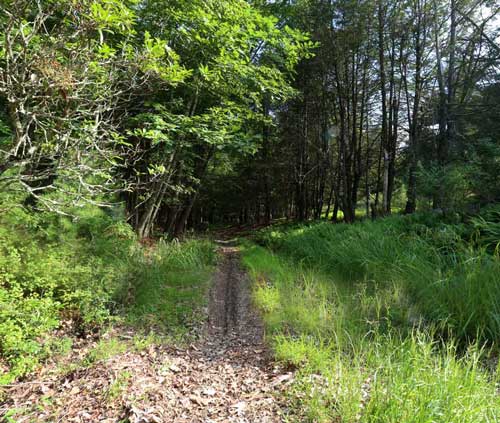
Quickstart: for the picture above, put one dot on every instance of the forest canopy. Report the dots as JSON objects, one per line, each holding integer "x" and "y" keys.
{"x": 129, "y": 101}
{"x": 190, "y": 113}
{"x": 250, "y": 210}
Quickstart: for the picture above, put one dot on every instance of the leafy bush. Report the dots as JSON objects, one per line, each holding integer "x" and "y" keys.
{"x": 47, "y": 267}
{"x": 54, "y": 268}
{"x": 25, "y": 323}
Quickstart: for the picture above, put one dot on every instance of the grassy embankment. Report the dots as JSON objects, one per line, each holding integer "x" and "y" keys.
{"x": 81, "y": 277}
{"x": 396, "y": 320}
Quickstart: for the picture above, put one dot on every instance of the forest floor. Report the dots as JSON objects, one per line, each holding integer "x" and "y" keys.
{"x": 227, "y": 376}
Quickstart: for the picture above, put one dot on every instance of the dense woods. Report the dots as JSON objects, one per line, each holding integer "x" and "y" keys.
{"x": 112, "y": 101}
{"x": 192, "y": 113}
{"x": 350, "y": 147}
{"x": 385, "y": 115}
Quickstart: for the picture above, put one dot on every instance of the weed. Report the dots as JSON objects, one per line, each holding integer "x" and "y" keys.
{"x": 105, "y": 349}
{"x": 118, "y": 386}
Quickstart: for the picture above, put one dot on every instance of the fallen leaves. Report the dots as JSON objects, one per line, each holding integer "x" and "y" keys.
{"x": 175, "y": 368}
{"x": 225, "y": 378}
{"x": 209, "y": 391}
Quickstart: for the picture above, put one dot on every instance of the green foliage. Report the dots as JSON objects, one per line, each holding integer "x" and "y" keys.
{"x": 106, "y": 348}
{"x": 25, "y": 323}
{"x": 169, "y": 287}
{"x": 47, "y": 272}
{"x": 54, "y": 269}
{"x": 422, "y": 256}
{"x": 487, "y": 227}
{"x": 231, "y": 57}
{"x": 484, "y": 174}
{"x": 71, "y": 61}
{"x": 452, "y": 182}
{"x": 373, "y": 317}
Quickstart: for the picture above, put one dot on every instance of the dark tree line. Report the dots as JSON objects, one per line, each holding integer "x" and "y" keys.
{"x": 197, "y": 112}
{"x": 386, "y": 117}
{"x": 110, "y": 101}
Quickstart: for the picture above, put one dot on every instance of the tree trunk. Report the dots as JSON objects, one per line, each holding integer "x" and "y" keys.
{"x": 383, "y": 96}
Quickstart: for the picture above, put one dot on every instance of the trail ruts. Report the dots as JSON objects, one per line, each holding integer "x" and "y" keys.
{"x": 232, "y": 319}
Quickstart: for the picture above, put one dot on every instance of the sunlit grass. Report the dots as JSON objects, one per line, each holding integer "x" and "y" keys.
{"x": 169, "y": 287}
{"x": 446, "y": 278}
{"x": 381, "y": 326}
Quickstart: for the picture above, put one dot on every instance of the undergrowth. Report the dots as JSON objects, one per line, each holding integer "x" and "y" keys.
{"x": 169, "y": 288}
{"x": 86, "y": 273}
{"x": 448, "y": 272}
{"x": 396, "y": 320}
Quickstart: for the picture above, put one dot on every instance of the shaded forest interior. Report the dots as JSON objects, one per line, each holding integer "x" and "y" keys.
{"x": 397, "y": 110}
{"x": 199, "y": 113}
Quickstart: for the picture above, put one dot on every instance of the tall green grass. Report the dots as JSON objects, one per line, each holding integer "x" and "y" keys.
{"x": 385, "y": 321}
{"x": 487, "y": 228}
{"x": 446, "y": 280}
{"x": 169, "y": 286}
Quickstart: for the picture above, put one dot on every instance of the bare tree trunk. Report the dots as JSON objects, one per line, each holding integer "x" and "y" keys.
{"x": 442, "y": 139}
{"x": 383, "y": 95}
{"x": 414, "y": 116}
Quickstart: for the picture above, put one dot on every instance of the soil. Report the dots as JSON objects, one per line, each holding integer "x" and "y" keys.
{"x": 228, "y": 376}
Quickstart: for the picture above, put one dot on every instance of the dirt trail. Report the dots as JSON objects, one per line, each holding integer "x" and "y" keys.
{"x": 232, "y": 360}
{"x": 226, "y": 377}
{"x": 232, "y": 319}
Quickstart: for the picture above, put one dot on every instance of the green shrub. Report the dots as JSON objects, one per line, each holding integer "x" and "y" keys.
{"x": 89, "y": 269}
{"x": 25, "y": 323}
{"x": 46, "y": 270}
